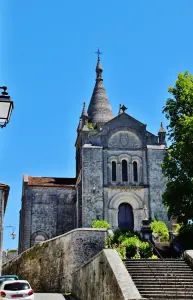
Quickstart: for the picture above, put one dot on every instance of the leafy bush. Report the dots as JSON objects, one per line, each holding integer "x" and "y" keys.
{"x": 185, "y": 236}
{"x": 120, "y": 235}
{"x": 145, "y": 250}
{"x": 127, "y": 243}
{"x": 132, "y": 243}
{"x": 121, "y": 250}
{"x": 161, "y": 229}
{"x": 90, "y": 126}
{"x": 154, "y": 257}
{"x": 100, "y": 224}
{"x": 131, "y": 246}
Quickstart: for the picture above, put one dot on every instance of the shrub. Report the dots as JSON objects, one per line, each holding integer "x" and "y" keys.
{"x": 145, "y": 250}
{"x": 100, "y": 224}
{"x": 161, "y": 229}
{"x": 90, "y": 126}
{"x": 121, "y": 250}
{"x": 120, "y": 235}
{"x": 154, "y": 257}
{"x": 131, "y": 246}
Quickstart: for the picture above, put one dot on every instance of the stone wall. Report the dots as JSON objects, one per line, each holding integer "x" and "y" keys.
{"x": 49, "y": 265}
{"x": 46, "y": 212}
{"x": 9, "y": 255}
{"x": 155, "y": 157}
{"x": 104, "y": 278}
{"x": 92, "y": 184}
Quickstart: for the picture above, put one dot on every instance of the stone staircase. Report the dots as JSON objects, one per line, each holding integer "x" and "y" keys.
{"x": 161, "y": 279}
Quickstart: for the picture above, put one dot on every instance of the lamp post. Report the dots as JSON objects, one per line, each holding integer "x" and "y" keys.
{"x": 6, "y": 107}
{"x": 13, "y": 234}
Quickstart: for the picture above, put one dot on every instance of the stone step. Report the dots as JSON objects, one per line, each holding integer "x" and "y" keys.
{"x": 157, "y": 265}
{"x": 155, "y": 260}
{"x": 169, "y": 293}
{"x": 163, "y": 282}
{"x": 160, "y": 269}
{"x": 165, "y": 288}
{"x": 161, "y": 276}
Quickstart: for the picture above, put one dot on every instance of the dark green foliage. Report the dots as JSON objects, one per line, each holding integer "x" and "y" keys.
{"x": 100, "y": 224}
{"x": 129, "y": 243}
{"x": 161, "y": 230}
{"x": 178, "y": 162}
{"x": 185, "y": 237}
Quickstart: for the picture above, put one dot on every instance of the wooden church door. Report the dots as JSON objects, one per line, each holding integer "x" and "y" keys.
{"x": 125, "y": 217}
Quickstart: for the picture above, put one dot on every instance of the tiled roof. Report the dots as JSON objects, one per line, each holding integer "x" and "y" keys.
{"x": 6, "y": 189}
{"x": 51, "y": 181}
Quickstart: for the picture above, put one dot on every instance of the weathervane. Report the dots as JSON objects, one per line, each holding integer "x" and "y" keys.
{"x": 98, "y": 53}
{"x": 123, "y": 108}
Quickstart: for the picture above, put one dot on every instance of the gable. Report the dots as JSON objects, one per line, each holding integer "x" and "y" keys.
{"x": 124, "y": 139}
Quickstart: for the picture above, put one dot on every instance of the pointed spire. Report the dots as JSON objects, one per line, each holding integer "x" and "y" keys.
{"x": 162, "y": 135}
{"x": 99, "y": 110}
{"x": 84, "y": 111}
{"x": 162, "y": 129}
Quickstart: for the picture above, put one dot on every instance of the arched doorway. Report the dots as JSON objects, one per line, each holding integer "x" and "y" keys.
{"x": 125, "y": 217}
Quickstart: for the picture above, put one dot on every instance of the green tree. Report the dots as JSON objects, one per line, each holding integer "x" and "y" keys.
{"x": 178, "y": 161}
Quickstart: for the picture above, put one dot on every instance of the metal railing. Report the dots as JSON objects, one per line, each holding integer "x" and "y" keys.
{"x": 171, "y": 272}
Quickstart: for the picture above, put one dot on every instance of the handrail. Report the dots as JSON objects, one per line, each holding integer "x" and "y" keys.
{"x": 185, "y": 288}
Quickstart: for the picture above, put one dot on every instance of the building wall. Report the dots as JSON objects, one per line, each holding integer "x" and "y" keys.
{"x": 9, "y": 255}
{"x": 92, "y": 184}
{"x": 46, "y": 212}
{"x": 1, "y": 223}
{"x": 156, "y": 183}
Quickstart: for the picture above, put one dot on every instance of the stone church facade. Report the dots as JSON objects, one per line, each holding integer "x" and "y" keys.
{"x": 118, "y": 175}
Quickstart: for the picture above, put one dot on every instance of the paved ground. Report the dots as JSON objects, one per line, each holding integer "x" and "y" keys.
{"x": 49, "y": 297}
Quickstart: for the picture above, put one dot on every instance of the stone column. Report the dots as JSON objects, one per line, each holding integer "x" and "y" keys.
{"x": 113, "y": 217}
{"x": 119, "y": 173}
{"x": 130, "y": 179}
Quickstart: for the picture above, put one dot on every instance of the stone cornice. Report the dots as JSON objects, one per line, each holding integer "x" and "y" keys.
{"x": 126, "y": 188}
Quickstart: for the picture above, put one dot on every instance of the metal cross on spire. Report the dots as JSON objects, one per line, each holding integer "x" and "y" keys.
{"x": 98, "y": 53}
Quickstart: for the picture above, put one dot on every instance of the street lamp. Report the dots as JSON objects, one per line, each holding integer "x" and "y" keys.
{"x": 6, "y": 107}
{"x": 13, "y": 234}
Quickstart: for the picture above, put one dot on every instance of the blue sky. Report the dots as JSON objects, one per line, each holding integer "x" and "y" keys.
{"x": 48, "y": 63}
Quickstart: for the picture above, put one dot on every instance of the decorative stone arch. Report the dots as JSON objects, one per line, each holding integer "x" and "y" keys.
{"x": 38, "y": 236}
{"x": 112, "y": 158}
{"x": 130, "y": 198}
{"x": 123, "y": 156}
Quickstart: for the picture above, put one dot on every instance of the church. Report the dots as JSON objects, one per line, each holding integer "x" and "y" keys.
{"x": 118, "y": 174}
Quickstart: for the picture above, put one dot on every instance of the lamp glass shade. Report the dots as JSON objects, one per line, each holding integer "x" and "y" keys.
{"x": 6, "y": 106}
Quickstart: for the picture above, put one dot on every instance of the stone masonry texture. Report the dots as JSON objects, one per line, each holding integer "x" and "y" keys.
{"x": 49, "y": 265}
{"x": 104, "y": 277}
{"x": 47, "y": 211}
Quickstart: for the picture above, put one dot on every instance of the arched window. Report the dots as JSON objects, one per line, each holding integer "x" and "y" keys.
{"x": 135, "y": 172}
{"x": 114, "y": 171}
{"x": 124, "y": 171}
